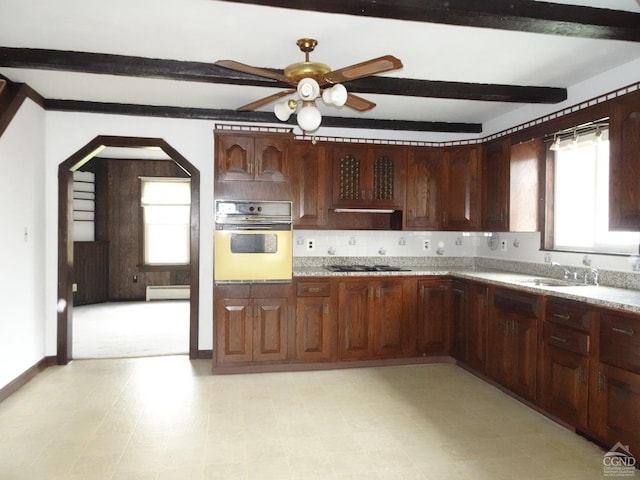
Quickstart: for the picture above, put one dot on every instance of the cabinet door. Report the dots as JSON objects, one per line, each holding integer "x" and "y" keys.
{"x": 524, "y": 195}
{"x": 354, "y": 299}
{"x": 422, "y": 192}
{"x": 234, "y": 157}
{"x": 389, "y": 319}
{"x": 461, "y": 199}
{"x": 500, "y": 348}
{"x": 564, "y": 389}
{"x": 495, "y": 186}
{"x": 271, "y": 158}
{"x": 459, "y": 313}
{"x": 309, "y": 185}
{"x": 270, "y": 329}
{"x": 477, "y": 327}
{"x": 386, "y": 182}
{"x": 624, "y": 164}
{"x": 434, "y": 310}
{"x": 234, "y": 326}
{"x": 315, "y": 337}
{"x": 349, "y": 175}
{"x": 617, "y": 406}
{"x": 524, "y": 356}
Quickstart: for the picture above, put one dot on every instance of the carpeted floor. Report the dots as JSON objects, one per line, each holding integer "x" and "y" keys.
{"x": 131, "y": 329}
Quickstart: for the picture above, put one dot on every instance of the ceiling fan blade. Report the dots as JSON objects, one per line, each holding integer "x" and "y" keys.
{"x": 2, "y": 84}
{"x": 261, "y": 72}
{"x": 358, "y": 103}
{"x": 264, "y": 101}
{"x": 364, "y": 69}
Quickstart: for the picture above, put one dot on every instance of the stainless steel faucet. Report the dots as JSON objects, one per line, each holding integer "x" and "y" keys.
{"x": 593, "y": 273}
{"x": 567, "y": 273}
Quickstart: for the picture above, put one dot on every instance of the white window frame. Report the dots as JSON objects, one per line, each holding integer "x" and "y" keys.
{"x": 581, "y": 198}
{"x": 166, "y": 215}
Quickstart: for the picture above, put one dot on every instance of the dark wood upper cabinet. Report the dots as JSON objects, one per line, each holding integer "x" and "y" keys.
{"x": 309, "y": 169}
{"x": 624, "y": 164}
{"x": 524, "y": 186}
{"x": 495, "y": 185}
{"x": 423, "y": 188}
{"x": 460, "y": 189}
{"x": 366, "y": 176}
{"x": 252, "y": 166}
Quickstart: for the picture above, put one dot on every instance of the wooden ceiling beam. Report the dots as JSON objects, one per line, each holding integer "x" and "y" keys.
{"x": 109, "y": 64}
{"x": 255, "y": 117}
{"x": 515, "y": 15}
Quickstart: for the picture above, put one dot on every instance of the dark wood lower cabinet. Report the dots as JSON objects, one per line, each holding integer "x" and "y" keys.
{"x": 315, "y": 321}
{"x": 564, "y": 389}
{"x": 513, "y": 341}
{"x": 251, "y": 324}
{"x": 434, "y": 317}
{"x": 374, "y": 318}
{"x": 616, "y": 412}
{"x": 478, "y": 318}
{"x": 460, "y": 321}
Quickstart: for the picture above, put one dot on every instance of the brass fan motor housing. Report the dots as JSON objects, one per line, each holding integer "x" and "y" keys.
{"x": 316, "y": 70}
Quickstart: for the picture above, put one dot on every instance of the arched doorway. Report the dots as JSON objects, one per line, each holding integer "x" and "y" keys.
{"x": 65, "y": 234}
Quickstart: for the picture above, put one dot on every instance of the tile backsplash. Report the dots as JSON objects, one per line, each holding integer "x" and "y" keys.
{"x": 515, "y": 250}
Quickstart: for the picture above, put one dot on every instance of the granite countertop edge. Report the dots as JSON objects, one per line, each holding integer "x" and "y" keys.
{"x": 601, "y": 296}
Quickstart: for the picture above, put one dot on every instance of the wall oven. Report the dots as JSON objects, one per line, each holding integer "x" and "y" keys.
{"x": 253, "y": 241}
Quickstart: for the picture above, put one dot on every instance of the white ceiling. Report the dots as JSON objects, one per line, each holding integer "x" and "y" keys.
{"x": 210, "y": 30}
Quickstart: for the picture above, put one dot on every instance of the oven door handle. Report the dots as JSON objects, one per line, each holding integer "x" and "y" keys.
{"x": 281, "y": 227}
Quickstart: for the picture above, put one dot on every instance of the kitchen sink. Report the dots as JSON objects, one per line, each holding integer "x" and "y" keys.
{"x": 551, "y": 282}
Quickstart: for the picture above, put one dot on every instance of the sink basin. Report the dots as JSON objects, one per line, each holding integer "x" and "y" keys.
{"x": 551, "y": 282}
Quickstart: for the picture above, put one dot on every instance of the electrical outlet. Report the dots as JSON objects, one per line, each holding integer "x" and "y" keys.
{"x": 311, "y": 244}
{"x": 426, "y": 245}
{"x": 503, "y": 245}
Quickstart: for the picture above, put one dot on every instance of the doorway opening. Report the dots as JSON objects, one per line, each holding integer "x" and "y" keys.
{"x": 131, "y": 147}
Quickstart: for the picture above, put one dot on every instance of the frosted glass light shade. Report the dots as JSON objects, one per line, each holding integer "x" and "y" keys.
{"x": 283, "y": 110}
{"x": 335, "y": 96}
{"x": 309, "y": 118}
{"x": 308, "y": 89}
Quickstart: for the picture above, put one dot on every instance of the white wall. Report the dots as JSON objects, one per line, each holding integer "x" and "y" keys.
{"x": 68, "y": 132}
{"x": 22, "y": 240}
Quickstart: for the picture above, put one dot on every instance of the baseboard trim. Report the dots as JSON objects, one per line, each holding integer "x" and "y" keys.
{"x": 301, "y": 367}
{"x": 24, "y": 378}
{"x": 205, "y": 354}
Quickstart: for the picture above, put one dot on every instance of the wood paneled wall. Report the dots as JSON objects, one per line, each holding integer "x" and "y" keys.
{"x": 91, "y": 272}
{"x": 119, "y": 221}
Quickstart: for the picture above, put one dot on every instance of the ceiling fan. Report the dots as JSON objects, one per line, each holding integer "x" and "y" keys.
{"x": 313, "y": 80}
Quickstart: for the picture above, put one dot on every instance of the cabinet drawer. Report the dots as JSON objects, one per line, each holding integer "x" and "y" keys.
{"x": 566, "y": 338}
{"x": 620, "y": 341}
{"x": 313, "y": 289}
{"x": 567, "y": 312}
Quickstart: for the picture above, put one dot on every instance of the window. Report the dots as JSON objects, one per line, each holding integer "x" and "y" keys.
{"x": 166, "y": 205}
{"x": 581, "y": 197}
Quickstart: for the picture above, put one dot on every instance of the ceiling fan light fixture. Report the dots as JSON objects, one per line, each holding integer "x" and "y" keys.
{"x": 284, "y": 109}
{"x": 335, "y": 96}
{"x": 308, "y": 89}
{"x": 309, "y": 117}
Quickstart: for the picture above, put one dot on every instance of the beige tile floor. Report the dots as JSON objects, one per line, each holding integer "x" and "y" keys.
{"x": 168, "y": 418}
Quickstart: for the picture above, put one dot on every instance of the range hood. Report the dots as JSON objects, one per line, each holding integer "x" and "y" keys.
{"x": 363, "y": 210}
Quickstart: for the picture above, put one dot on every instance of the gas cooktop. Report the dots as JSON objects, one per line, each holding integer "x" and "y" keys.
{"x": 365, "y": 268}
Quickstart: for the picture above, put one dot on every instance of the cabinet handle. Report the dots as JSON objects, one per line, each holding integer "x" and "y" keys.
{"x": 561, "y": 316}
{"x": 422, "y": 291}
{"x": 378, "y": 292}
{"x": 558, "y": 339}
{"x": 623, "y": 331}
{"x": 582, "y": 375}
{"x": 249, "y": 311}
{"x": 250, "y": 168}
{"x": 314, "y": 289}
{"x": 370, "y": 292}
{"x": 326, "y": 309}
{"x": 602, "y": 382}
